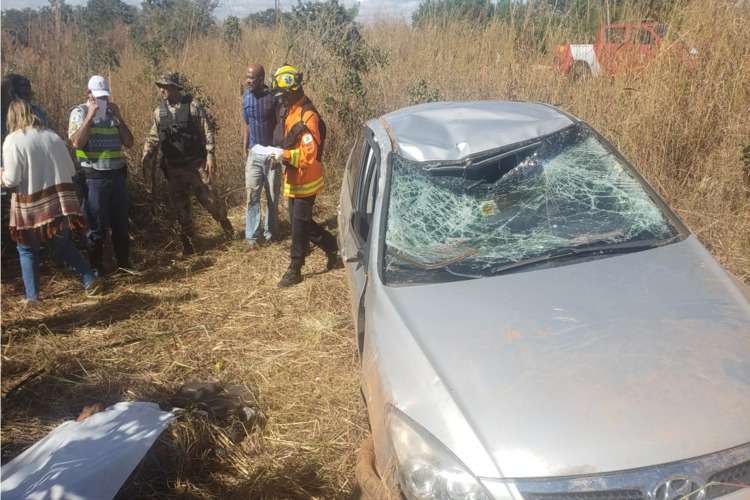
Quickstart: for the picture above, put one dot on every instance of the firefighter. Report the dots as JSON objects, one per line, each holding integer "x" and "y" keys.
{"x": 182, "y": 130}
{"x": 301, "y": 151}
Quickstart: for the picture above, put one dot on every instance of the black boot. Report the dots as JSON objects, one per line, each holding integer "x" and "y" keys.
{"x": 123, "y": 261}
{"x": 226, "y": 226}
{"x": 187, "y": 246}
{"x": 96, "y": 256}
{"x": 292, "y": 276}
{"x": 334, "y": 261}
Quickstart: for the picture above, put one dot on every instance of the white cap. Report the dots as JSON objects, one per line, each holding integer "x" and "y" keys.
{"x": 99, "y": 86}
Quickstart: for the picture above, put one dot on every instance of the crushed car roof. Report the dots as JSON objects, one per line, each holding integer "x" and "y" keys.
{"x": 443, "y": 131}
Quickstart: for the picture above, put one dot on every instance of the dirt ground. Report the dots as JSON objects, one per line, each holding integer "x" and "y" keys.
{"x": 214, "y": 317}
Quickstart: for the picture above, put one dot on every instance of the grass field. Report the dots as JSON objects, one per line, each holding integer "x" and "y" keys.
{"x": 218, "y": 316}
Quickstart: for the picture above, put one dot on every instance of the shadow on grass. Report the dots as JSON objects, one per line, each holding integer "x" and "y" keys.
{"x": 165, "y": 269}
{"x": 187, "y": 461}
{"x": 96, "y": 311}
{"x": 58, "y": 395}
{"x": 159, "y": 477}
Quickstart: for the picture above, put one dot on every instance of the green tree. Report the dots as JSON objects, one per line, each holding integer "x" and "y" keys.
{"x": 265, "y": 18}
{"x": 95, "y": 21}
{"x": 232, "y": 30}
{"x": 21, "y": 24}
{"x": 98, "y": 16}
{"x": 479, "y": 11}
{"x": 17, "y": 24}
{"x": 325, "y": 35}
{"x": 165, "y": 25}
{"x": 333, "y": 24}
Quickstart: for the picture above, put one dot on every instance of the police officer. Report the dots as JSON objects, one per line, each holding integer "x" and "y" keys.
{"x": 98, "y": 132}
{"x": 183, "y": 132}
{"x": 301, "y": 152}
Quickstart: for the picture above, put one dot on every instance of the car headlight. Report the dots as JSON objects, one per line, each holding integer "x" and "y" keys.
{"x": 426, "y": 468}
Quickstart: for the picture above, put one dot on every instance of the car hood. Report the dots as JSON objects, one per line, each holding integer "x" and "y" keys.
{"x": 609, "y": 364}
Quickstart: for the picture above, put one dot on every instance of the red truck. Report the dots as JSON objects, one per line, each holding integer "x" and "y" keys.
{"x": 618, "y": 47}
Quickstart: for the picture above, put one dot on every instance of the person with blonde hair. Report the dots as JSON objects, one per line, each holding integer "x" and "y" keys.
{"x": 44, "y": 207}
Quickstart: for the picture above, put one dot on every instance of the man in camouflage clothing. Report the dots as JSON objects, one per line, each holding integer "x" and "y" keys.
{"x": 182, "y": 130}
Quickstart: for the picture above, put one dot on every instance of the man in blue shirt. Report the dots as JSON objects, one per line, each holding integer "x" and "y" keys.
{"x": 259, "y": 110}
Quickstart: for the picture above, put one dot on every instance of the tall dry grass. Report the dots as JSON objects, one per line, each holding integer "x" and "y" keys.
{"x": 684, "y": 128}
{"x": 220, "y": 315}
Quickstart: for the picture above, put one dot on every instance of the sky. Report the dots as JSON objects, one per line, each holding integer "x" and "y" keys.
{"x": 369, "y": 10}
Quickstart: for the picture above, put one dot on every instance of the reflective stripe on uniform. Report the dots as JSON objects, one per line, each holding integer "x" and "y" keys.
{"x": 104, "y": 131}
{"x": 294, "y": 157}
{"x": 98, "y": 155}
{"x": 302, "y": 190}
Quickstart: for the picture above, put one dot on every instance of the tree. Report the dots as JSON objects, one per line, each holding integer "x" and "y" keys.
{"x": 165, "y": 25}
{"x": 17, "y": 24}
{"x": 333, "y": 25}
{"x": 265, "y": 18}
{"x": 325, "y": 35}
{"x": 232, "y": 30}
{"x": 479, "y": 11}
{"x": 20, "y": 25}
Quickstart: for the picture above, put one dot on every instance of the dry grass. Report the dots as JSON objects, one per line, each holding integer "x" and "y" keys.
{"x": 219, "y": 316}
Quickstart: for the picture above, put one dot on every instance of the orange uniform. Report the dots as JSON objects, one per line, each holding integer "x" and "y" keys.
{"x": 306, "y": 177}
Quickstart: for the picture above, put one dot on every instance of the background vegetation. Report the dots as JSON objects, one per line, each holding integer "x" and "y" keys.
{"x": 219, "y": 315}
{"x": 685, "y": 128}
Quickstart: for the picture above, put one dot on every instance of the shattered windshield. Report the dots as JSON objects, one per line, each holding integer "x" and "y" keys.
{"x": 527, "y": 203}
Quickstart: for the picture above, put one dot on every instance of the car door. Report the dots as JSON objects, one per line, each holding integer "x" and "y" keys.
{"x": 355, "y": 218}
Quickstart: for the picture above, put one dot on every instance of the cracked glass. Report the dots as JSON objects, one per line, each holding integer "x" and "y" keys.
{"x": 564, "y": 195}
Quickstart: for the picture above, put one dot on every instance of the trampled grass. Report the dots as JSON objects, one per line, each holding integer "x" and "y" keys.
{"x": 218, "y": 316}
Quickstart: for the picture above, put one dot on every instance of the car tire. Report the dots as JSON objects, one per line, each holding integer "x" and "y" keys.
{"x": 370, "y": 484}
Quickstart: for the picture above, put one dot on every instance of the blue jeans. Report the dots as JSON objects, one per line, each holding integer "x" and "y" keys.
{"x": 106, "y": 206}
{"x": 261, "y": 174}
{"x": 65, "y": 251}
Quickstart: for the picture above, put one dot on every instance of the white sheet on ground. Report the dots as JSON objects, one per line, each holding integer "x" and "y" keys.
{"x": 86, "y": 460}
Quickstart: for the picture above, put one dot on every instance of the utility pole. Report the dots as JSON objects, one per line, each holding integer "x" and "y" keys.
{"x": 277, "y": 7}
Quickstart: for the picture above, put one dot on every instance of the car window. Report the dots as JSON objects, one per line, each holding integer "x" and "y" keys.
{"x": 366, "y": 193}
{"x": 642, "y": 36}
{"x": 566, "y": 191}
{"x": 354, "y": 164}
{"x": 362, "y": 177}
{"x": 616, "y": 35}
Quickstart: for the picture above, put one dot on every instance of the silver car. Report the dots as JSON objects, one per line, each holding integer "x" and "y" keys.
{"x": 533, "y": 322}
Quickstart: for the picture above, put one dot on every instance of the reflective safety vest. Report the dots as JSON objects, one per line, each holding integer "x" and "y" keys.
{"x": 103, "y": 151}
{"x": 304, "y": 175}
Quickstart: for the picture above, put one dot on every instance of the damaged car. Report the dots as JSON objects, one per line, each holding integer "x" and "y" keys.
{"x": 533, "y": 322}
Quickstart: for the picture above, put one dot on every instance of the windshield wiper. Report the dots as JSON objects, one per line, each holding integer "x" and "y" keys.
{"x": 584, "y": 250}
{"x": 475, "y": 163}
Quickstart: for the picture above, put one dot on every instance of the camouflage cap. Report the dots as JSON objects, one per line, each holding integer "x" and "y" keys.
{"x": 168, "y": 79}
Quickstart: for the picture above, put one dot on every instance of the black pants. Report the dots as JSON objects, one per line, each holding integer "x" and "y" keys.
{"x": 305, "y": 229}
{"x": 106, "y": 207}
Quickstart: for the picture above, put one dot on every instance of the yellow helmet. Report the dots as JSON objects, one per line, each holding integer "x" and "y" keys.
{"x": 286, "y": 79}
